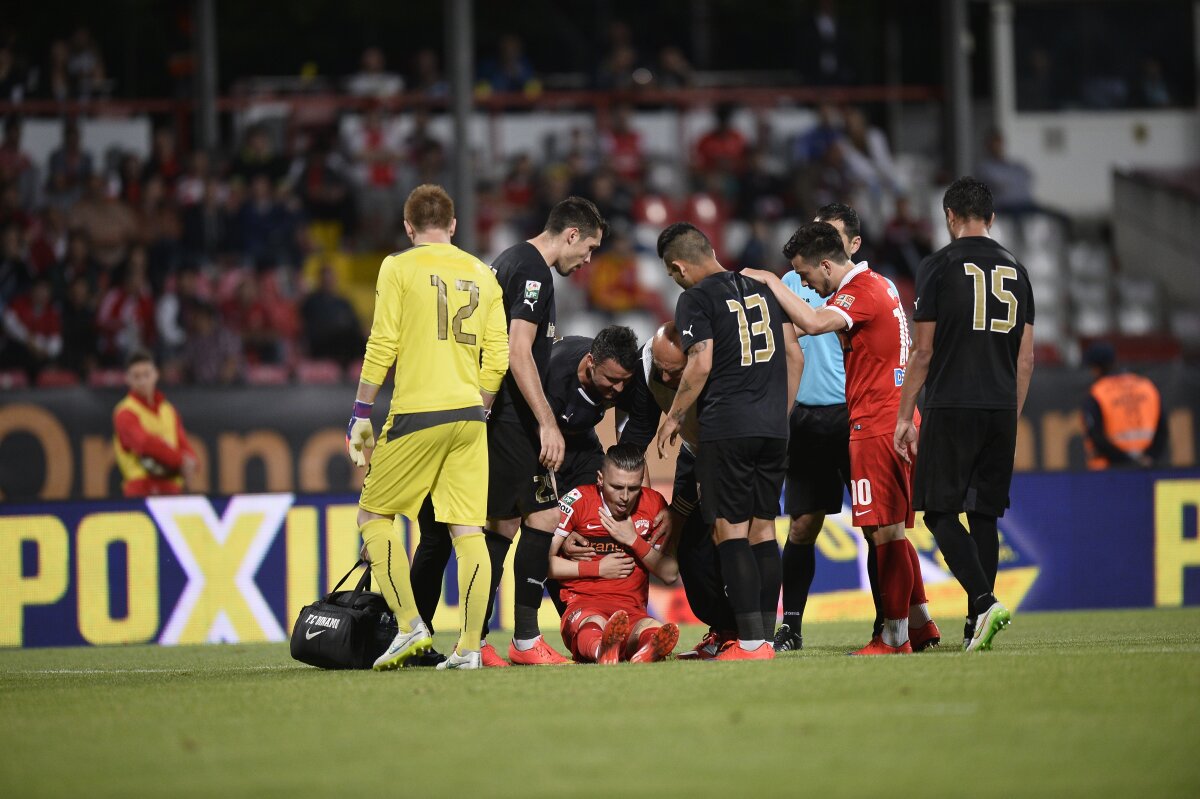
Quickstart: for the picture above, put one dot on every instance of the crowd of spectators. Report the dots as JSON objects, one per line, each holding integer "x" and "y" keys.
{"x": 198, "y": 256}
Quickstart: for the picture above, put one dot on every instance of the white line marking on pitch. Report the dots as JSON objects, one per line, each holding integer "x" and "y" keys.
{"x": 146, "y": 671}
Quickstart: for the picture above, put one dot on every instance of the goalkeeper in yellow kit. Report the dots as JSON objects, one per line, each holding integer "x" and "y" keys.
{"x": 439, "y": 317}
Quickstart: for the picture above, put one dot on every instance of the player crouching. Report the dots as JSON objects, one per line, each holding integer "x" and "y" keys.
{"x": 605, "y": 620}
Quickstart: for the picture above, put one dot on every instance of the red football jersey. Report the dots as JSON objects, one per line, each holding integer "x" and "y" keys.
{"x": 580, "y": 512}
{"x": 875, "y": 348}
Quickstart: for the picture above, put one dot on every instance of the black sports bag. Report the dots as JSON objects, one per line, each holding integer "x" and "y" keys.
{"x": 346, "y": 629}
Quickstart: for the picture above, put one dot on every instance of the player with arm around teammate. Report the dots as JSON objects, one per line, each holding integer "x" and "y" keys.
{"x": 865, "y": 313}
{"x": 605, "y": 619}
{"x": 743, "y": 368}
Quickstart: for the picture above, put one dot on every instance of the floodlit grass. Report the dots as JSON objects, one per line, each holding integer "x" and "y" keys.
{"x": 1087, "y": 704}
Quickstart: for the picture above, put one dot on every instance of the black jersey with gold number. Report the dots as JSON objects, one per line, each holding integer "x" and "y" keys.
{"x": 980, "y": 297}
{"x": 747, "y": 389}
{"x": 528, "y": 286}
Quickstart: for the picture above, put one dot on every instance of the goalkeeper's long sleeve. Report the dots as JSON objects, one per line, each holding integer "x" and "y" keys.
{"x": 134, "y": 437}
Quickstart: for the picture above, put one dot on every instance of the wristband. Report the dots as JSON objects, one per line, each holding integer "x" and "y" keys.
{"x": 589, "y": 568}
{"x": 362, "y": 410}
{"x": 641, "y": 548}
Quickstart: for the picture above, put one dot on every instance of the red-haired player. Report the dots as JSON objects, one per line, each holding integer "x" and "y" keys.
{"x": 605, "y": 619}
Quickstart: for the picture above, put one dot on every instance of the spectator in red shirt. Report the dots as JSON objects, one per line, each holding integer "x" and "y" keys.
{"x": 152, "y": 450}
{"x": 622, "y": 145}
{"x": 34, "y": 329}
{"x": 126, "y": 314}
{"x": 723, "y": 148}
{"x": 248, "y": 316}
{"x": 164, "y": 160}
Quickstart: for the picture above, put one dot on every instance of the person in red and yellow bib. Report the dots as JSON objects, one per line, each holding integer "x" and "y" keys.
{"x": 152, "y": 450}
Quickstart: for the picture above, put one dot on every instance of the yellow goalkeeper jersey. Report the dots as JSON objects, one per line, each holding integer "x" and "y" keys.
{"x": 439, "y": 317}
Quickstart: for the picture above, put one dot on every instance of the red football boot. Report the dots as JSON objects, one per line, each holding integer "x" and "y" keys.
{"x": 926, "y": 636}
{"x": 540, "y": 655}
{"x": 662, "y": 642}
{"x": 491, "y": 658}
{"x": 612, "y": 640}
{"x": 708, "y": 648}
{"x": 878, "y": 647}
{"x": 734, "y": 651}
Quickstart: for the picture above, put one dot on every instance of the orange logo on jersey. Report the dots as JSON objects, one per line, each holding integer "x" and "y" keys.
{"x": 844, "y": 300}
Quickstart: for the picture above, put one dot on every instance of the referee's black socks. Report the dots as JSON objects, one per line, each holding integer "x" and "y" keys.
{"x": 799, "y": 565}
{"x": 531, "y": 566}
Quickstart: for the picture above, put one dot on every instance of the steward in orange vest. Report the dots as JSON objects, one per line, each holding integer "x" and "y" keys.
{"x": 1122, "y": 415}
{"x": 152, "y": 450}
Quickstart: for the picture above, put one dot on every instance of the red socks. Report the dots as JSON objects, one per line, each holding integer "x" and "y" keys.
{"x": 918, "y": 588}
{"x": 587, "y": 640}
{"x": 646, "y": 635}
{"x": 896, "y": 577}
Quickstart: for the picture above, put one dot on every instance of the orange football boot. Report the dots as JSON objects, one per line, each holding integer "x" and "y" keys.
{"x": 926, "y": 636}
{"x": 661, "y": 644}
{"x": 734, "y": 651}
{"x": 491, "y": 658}
{"x": 878, "y": 647}
{"x": 540, "y": 655}
{"x": 612, "y": 640}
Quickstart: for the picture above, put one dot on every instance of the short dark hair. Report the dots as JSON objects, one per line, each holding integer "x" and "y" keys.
{"x": 684, "y": 241}
{"x": 616, "y": 343}
{"x": 429, "y": 207}
{"x": 814, "y": 242}
{"x": 842, "y": 213}
{"x": 626, "y": 457}
{"x": 970, "y": 199}
{"x": 576, "y": 212}
{"x": 137, "y": 356}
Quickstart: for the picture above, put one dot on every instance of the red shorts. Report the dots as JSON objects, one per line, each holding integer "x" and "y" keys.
{"x": 880, "y": 483}
{"x": 574, "y": 615}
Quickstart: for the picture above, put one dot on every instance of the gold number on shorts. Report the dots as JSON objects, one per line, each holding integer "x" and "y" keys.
{"x": 979, "y": 279}
{"x": 760, "y": 328}
{"x": 545, "y": 491}
{"x": 463, "y": 314}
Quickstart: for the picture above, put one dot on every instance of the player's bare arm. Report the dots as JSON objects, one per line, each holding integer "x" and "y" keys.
{"x": 1024, "y": 367}
{"x": 663, "y": 566}
{"x": 915, "y": 372}
{"x": 795, "y": 362}
{"x": 613, "y": 566}
{"x": 807, "y": 320}
{"x": 521, "y": 364}
{"x": 691, "y": 383}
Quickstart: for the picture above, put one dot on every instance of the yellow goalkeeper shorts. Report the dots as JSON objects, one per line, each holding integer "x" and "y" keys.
{"x": 442, "y": 454}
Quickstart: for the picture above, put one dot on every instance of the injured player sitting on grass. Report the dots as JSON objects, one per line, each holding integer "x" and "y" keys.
{"x": 605, "y": 620}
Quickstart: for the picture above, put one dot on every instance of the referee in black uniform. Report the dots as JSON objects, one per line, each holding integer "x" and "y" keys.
{"x": 973, "y": 353}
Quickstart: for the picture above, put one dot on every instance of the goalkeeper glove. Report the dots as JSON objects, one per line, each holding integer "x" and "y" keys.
{"x": 360, "y": 434}
{"x": 153, "y": 467}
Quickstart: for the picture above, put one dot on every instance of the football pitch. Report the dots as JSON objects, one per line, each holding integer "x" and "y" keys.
{"x": 1076, "y": 704}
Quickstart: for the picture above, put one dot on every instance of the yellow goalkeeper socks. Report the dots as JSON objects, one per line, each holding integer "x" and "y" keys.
{"x": 474, "y": 581}
{"x": 389, "y": 568}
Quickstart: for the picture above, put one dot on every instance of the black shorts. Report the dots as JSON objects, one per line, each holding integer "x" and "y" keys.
{"x": 818, "y": 459}
{"x": 518, "y": 485}
{"x": 965, "y": 460}
{"x": 741, "y": 478}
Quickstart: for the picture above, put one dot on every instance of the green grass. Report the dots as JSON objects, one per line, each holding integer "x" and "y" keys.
{"x": 1103, "y": 703}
